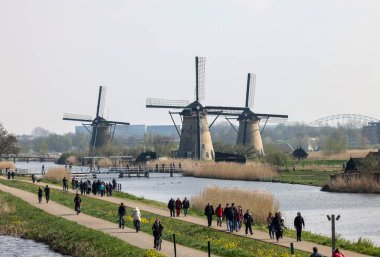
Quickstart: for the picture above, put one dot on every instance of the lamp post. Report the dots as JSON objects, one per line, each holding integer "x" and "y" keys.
{"x": 332, "y": 218}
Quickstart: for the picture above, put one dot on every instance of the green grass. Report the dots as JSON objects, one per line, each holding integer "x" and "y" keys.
{"x": 191, "y": 235}
{"x": 303, "y": 177}
{"x": 361, "y": 246}
{"x": 61, "y": 235}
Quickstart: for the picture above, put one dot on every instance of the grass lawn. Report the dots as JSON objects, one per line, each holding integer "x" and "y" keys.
{"x": 18, "y": 218}
{"x": 187, "y": 234}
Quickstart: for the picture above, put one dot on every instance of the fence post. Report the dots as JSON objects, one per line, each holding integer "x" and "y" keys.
{"x": 175, "y": 247}
{"x": 209, "y": 248}
{"x": 292, "y": 249}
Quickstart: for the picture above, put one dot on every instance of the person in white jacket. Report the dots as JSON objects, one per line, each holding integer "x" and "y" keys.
{"x": 136, "y": 215}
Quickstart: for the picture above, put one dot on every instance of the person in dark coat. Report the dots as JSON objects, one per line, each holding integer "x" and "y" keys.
{"x": 33, "y": 178}
{"x": 157, "y": 233}
{"x": 185, "y": 206}
{"x": 64, "y": 184}
{"x": 315, "y": 253}
{"x": 298, "y": 224}
{"x": 229, "y": 217}
{"x": 277, "y": 225}
{"x": 248, "y": 221}
{"x": 47, "y": 193}
{"x": 77, "y": 202}
{"x": 8, "y": 174}
{"x": 209, "y": 211}
{"x": 122, "y": 211}
{"x": 13, "y": 174}
{"x": 39, "y": 193}
{"x": 171, "y": 206}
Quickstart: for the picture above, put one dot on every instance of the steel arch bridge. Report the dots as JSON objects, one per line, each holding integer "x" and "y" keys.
{"x": 355, "y": 120}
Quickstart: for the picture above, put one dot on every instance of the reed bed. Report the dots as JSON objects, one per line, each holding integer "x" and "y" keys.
{"x": 57, "y": 174}
{"x": 105, "y": 162}
{"x": 365, "y": 183}
{"x": 5, "y": 164}
{"x": 186, "y": 164}
{"x": 72, "y": 159}
{"x": 234, "y": 171}
{"x": 260, "y": 203}
{"x": 345, "y": 155}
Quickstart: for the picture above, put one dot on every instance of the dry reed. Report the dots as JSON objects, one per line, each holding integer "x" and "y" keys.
{"x": 73, "y": 160}
{"x": 234, "y": 171}
{"x": 57, "y": 174}
{"x": 5, "y": 164}
{"x": 104, "y": 163}
{"x": 260, "y": 203}
{"x": 345, "y": 155}
{"x": 363, "y": 183}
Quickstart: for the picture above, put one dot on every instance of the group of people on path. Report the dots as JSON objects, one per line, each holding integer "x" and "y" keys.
{"x": 178, "y": 205}
{"x": 233, "y": 215}
{"x": 40, "y": 193}
{"x": 96, "y": 187}
{"x": 10, "y": 173}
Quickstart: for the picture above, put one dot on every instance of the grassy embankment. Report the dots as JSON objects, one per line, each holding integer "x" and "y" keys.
{"x": 187, "y": 234}
{"x": 361, "y": 246}
{"x": 18, "y": 218}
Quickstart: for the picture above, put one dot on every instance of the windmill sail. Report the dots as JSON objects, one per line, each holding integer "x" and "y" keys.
{"x": 251, "y": 86}
{"x": 101, "y": 102}
{"x": 165, "y": 103}
{"x": 77, "y": 117}
{"x": 200, "y": 69}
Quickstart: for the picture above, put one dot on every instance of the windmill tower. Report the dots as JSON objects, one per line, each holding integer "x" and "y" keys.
{"x": 249, "y": 129}
{"x": 101, "y": 128}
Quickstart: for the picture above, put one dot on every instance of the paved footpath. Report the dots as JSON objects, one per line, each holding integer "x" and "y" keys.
{"x": 258, "y": 235}
{"x": 141, "y": 240}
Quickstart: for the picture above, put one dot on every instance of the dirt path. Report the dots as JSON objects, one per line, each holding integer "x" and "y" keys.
{"x": 258, "y": 235}
{"x": 141, "y": 240}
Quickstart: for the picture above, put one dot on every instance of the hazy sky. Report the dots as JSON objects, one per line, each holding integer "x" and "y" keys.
{"x": 311, "y": 58}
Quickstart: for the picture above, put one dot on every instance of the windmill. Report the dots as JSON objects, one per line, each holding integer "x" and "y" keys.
{"x": 249, "y": 129}
{"x": 101, "y": 128}
{"x": 195, "y": 137}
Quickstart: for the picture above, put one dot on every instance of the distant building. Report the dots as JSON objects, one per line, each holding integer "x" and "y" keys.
{"x": 372, "y": 132}
{"x": 163, "y": 130}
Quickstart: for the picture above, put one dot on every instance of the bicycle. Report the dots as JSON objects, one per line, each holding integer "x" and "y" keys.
{"x": 137, "y": 225}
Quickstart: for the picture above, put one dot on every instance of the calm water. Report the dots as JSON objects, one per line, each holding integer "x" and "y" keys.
{"x": 17, "y": 247}
{"x": 360, "y": 216}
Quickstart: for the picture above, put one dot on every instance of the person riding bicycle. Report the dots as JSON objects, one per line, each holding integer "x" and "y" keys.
{"x": 136, "y": 214}
{"x": 77, "y": 202}
{"x": 157, "y": 233}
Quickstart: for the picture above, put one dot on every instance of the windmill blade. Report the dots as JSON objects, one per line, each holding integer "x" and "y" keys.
{"x": 273, "y": 118}
{"x": 101, "y": 102}
{"x": 118, "y": 122}
{"x": 77, "y": 117}
{"x": 250, "y": 94}
{"x": 165, "y": 103}
{"x": 200, "y": 70}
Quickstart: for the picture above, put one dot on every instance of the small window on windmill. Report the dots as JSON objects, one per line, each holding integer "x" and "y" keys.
{"x": 207, "y": 155}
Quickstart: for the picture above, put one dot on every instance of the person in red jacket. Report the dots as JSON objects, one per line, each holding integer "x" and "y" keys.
{"x": 178, "y": 206}
{"x": 337, "y": 253}
{"x": 219, "y": 215}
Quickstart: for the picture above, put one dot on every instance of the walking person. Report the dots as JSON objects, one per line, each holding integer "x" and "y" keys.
{"x": 338, "y": 253}
{"x": 33, "y": 178}
{"x": 64, "y": 184}
{"x": 8, "y": 174}
{"x": 39, "y": 193}
{"x": 234, "y": 216}
{"x": 248, "y": 221}
{"x": 157, "y": 233}
{"x": 277, "y": 225}
{"x": 13, "y": 174}
{"x": 185, "y": 206}
{"x": 209, "y": 211}
{"x": 239, "y": 218}
{"x": 315, "y": 253}
{"x": 270, "y": 225}
{"x": 171, "y": 205}
{"x": 178, "y": 206}
{"x": 298, "y": 224}
{"x": 136, "y": 215}
{"x": 47, "y": 193}
{"x": 121, "y": 211}
{"x": 219, "y": 215}
{"x": 228, "y": 213}
{"x": 77, "y": 202}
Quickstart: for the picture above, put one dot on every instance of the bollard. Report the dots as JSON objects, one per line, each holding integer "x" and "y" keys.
{"x": 292, "y": 249}
{"x": 209, "y": 248}
{"x": 175, "y": 247}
